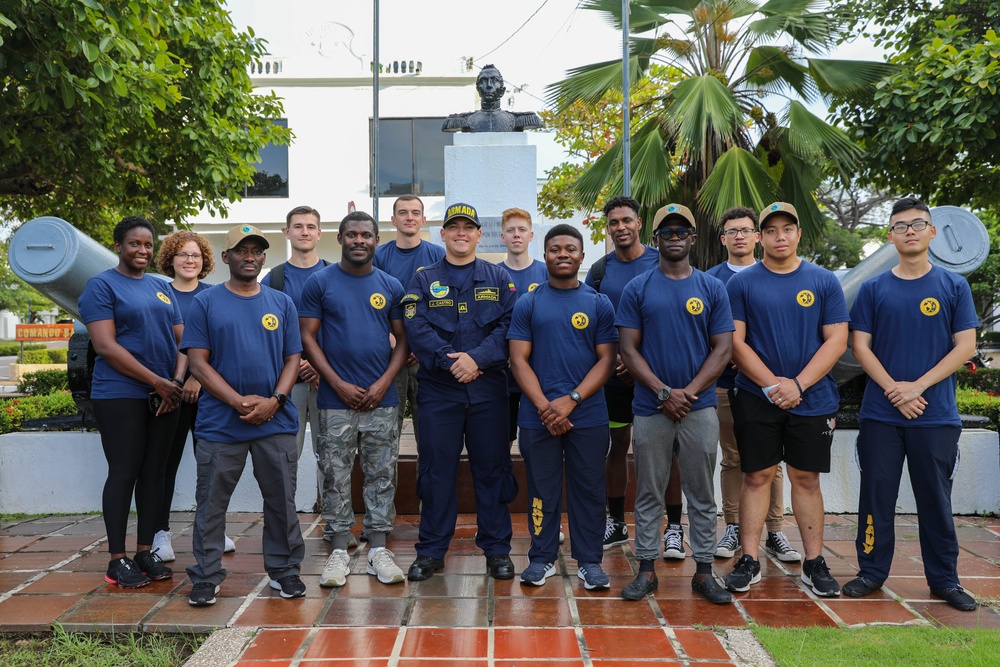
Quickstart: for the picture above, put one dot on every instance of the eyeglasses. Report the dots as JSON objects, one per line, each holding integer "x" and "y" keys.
{"x": 243, "y": 252}
{"x": 733, "y": 233}
{"x": 668, "y": 232}
{"x": 186, "y": 256}
{"x": 917, "y": 225}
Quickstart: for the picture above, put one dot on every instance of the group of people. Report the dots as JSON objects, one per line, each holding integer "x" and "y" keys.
{"x": 647, "y": 354}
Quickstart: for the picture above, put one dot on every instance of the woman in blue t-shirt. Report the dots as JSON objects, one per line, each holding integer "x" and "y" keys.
{"x": 135, "y": 326}
{"x": 187, "y": 258}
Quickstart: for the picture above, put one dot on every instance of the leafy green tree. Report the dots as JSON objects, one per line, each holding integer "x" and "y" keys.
{"x": 140, "y": 106}
{"x": 735, "y": 130}
{"x": 931, "y": 126}
{"x": 985, "y": 281}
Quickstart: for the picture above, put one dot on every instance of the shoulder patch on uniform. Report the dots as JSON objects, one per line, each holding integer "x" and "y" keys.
{"x": 413, "y": 298}
{"x": 511, "y": 287}
{"x": 410, "y": 310}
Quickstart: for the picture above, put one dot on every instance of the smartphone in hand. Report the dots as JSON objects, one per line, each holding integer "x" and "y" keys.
{"x": 155, "y": 401}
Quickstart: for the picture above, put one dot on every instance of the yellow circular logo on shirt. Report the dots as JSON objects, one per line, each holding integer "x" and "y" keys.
{"x": 532, "y": 286}
{"x": 438, "y": 291}
{"x": 163, "y": 297}
{"x": 695, "y": 306}
{"x": 270, "y": 321}
{"x": 580, "y": 321}
{"x": 930, "y": 307}
{"x": 377, "y": 301}
{"x": 805, "y": 298}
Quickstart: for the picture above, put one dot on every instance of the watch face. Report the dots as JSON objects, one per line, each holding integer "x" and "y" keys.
{"x": 663, "y": 395}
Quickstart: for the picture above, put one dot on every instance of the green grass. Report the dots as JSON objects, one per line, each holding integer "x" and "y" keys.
{"x": 73, "y": 649}
{"x": 880, "y": 646}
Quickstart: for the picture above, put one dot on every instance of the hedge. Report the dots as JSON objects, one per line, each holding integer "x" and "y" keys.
{"x": 53, "y": 356}
{"x": 14, "y": 349}
{"x": 44, "y": 382}
{"x": 975, "y": 402}
{"x": 13, "y": 411}
{"x": 984, "y": 379}
{"x": 990, "y": 337}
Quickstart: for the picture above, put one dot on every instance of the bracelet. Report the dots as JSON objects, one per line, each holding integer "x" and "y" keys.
{"x": 796, "y": 381}
{"x": 178, "y": 381}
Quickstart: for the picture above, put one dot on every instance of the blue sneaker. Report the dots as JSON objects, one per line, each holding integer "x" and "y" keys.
{"x": 536, "y": 573}
{"x": 593, "y": 576}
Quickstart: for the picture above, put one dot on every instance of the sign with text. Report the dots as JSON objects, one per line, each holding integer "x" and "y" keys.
{"x": 42, "y": 332}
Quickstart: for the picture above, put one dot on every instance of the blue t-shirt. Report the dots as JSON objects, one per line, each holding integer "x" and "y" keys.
{"x": 248, "y": 338}
{"x": 564, "y": 326}
{"x": 911, "y": 323}
{"x": 296, "y": 279}
{"x": 784, "y": 315}
{"x": 402, "y": 263}
{"x": 723, "y": 272}
{"x": 676, "y": 318}
{"x": 144, "y": 312}
{"x": 525, "y": 281}
{"x": 355, "y": 314}
{"x": 185, "y": 299}
{"x": 618, "y": 274}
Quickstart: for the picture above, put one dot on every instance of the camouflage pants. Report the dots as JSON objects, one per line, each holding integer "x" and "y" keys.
{"x": 343, "y": 434}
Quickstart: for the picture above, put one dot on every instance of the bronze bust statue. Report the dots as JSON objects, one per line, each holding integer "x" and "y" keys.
{"x": 490, "y": 117}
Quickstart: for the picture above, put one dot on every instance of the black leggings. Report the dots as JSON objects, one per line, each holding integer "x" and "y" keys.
{"x": 136, "y": 445}
{"x": 186, "y": 415}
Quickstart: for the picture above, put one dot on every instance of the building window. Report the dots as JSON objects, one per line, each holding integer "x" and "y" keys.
{"x": 271, "y": 179}
{"x": 411, "y": 156}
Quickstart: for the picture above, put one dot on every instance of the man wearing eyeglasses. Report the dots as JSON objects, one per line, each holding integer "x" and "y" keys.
{"x": 791, "y": 328}
{"x": 675, "y": 329}
{"x": 914, "y": 325}
{"x": 740, "y": 237}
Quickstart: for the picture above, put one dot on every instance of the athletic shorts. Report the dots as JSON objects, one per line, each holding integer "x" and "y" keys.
{"x": 766, "y": 435}
{"x": 619, "y": 400}
{"x": 515, "y": 404}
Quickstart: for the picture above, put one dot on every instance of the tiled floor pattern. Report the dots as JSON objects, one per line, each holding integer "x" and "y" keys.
{"x": 51, "y": 571}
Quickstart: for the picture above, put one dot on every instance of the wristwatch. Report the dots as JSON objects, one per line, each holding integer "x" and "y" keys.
{"x": 575, "y": 395}
{"x": 663, "y": 394}
{"x": 282, "y": 399}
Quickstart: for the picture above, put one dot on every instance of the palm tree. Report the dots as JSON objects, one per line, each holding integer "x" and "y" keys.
{"x": 735, "y": 130}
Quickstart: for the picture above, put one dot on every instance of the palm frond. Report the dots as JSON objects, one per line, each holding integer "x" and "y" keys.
{"x": 808, "y": 134}
{"x": 847, "y": 76}
{"x": 799, "y": 180}
{"x": 702, "y": 109}
{"x": 770, "y": 68}
{"x": 651, "y": 165}
{"x": 603, "y": 171}
{"x": 738, "y": 179}
{"x": 590, "y": 82}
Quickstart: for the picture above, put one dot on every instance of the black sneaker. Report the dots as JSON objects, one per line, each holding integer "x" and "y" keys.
{"x": 615, "y": 533}
{"x": 729, "y": 543}
{"x": 152, "y": 565}
{"x": 816, "y": 575}
{"x": 746, "y": 572}
{"x": 778, "y": 546}
{"x": 673, "y": 542}
{"x": 124, "y": 573}
{"x": 290, "y": 586}
{"x": 856, "y": 588}
{"x": 956, "y": 597}
{"x": 202, "y": 594}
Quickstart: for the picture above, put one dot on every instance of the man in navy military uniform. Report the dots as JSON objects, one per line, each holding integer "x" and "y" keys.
{"x": 457, "y": 312}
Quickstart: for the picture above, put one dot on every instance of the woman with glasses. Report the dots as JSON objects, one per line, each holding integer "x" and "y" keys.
{"x": 187, "y": 258}
{"x": 135, "y": 326}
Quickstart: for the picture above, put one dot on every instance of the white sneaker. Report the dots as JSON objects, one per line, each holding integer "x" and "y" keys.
{"x": 562, "y": 537}
{"x": 162, "y": 546}
{"x": 230, "y": 546}
{"x": 380, "y": 564}
{"x": 338, "y": 566}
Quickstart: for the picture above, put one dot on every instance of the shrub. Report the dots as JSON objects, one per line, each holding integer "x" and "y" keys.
{"x": 13, "y": 411}
{"x": 14, "y": 349}
{"x": 990, "y": 337}
{"x": 984, "y": 379}
{"x": 975, "y": 402}
{"x": 44, "y": 382}
{"x": 35, "y": 357}
{"x": 58, "y": 355}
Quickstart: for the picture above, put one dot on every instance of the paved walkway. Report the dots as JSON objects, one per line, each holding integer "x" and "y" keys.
{"x": 51, "y": 571}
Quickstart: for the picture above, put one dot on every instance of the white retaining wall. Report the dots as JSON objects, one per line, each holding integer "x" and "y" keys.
{"x": 64, "y": 473}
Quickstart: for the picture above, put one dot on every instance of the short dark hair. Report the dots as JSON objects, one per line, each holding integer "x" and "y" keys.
{"x": 563, "y": 229}
{"x": 129, "y": 223}
{"x": 909, "y": 203}
{"x": 407, "y": 198}
{"x": 737, "y": 213}
{"x": 301, "y": 210}
{"x": 358, "y": 216}
{"x": 621, "y": 200}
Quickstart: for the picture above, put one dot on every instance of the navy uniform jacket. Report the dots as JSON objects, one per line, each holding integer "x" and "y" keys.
{"x": 440, "y": 319}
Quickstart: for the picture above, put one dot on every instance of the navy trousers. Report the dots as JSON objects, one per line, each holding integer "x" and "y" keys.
{"x": 445, "y": 427}
{"x": 932, "y": 459}
{"x": 583, "y": 451}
